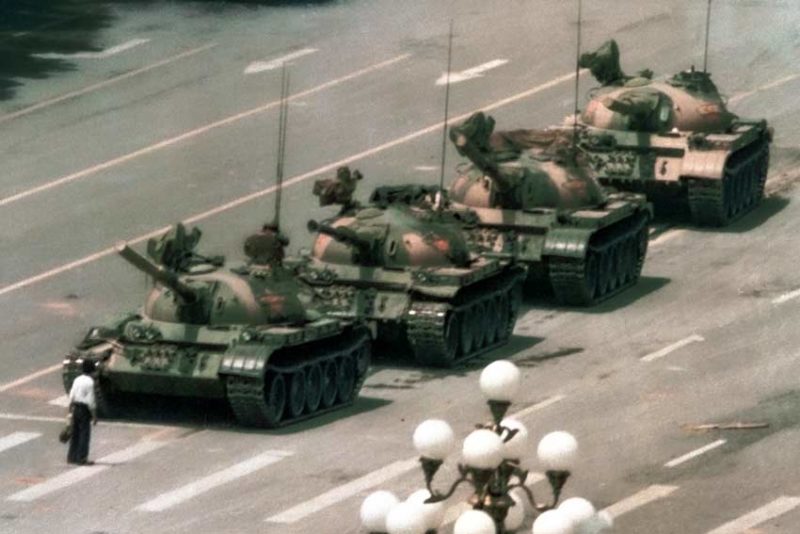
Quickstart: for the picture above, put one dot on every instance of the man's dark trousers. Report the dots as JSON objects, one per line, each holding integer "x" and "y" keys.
{"x": 81, "y": 433}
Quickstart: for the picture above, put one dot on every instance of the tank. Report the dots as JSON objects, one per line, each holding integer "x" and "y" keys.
{"x": 537, "y": 204}
{"x": 673, "y": 139}
{"x": 243, "y": 333}
{"x": 406, "y": 266}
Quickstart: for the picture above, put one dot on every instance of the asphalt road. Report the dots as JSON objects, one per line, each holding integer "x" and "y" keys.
{"x": 135, "y": 115}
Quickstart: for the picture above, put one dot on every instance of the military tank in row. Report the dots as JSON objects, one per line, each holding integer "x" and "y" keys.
{"x": 405, "y": 266}
{"x": 244, "y": 333}
{"x": 673, "y": 139}
{"x": 537, "y": 205}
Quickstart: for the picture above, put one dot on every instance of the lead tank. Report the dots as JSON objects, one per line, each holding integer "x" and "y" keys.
{"x": 537, "y": 204}
{"x": 244, "y": 333}
{"x": 674, "y": 139}
{"x": 406, "y": 266}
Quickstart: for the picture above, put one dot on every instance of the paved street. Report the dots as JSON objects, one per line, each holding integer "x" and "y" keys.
{"x": 118, "y": 119}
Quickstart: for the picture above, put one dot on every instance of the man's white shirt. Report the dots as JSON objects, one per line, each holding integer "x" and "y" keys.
{"x": 83, "y": 391}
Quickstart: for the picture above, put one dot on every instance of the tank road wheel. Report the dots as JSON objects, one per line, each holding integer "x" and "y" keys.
{"x": 296, "y": 399}
{"x": 642, "y": 241}
{"x": 329, "y": 384}
{"x": 274, "y": 398}
{"x": 345, "y": 379}
{"x": 503, "y": 308}
{"x": 481, "y": 326}
{"x": 313, "y": 387}
{"x": 106, "y": 400}
{"x": 492, "y": 312}
{"x": 467, "y": 340}
{"x": 453, "y": 330}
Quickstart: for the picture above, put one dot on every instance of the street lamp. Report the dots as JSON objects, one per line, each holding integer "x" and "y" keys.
{"x": 491, "y": 466}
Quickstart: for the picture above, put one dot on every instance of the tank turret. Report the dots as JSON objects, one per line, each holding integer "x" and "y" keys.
{"x": 365, "y": 249}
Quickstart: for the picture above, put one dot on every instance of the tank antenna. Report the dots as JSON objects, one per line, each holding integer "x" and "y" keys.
{"x": 282, "y": 118}
{"x": 577, "y": 81}
{"x": 708, "y": 27}
{"x": 446, "y": 111}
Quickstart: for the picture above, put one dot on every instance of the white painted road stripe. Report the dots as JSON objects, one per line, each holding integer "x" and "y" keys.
{"x": 30, "y": 377}
{"x": 261, "y": 66}
{"x": 60, "y": 420}
{"x": 787, "y": 296}
{"x": 770, "y": 85}
{"x": 769, "y": 511}
{"x": 194, "y": 133}
{"x": 666, "y": 236}
{"x": 258, "y": 194}
{"x": 103, "y": 54}
{"x": 62, "y": 401}
{"x": 79, "y": 474}
{"x": 695, "y": 453}
{"x": 105, "y": 83}
{"x": 538, "y": 406}
{"x": 184, "y": 493}
{"x": 345, "y": 491}
{"x": 474, "y": 72}
{"x": 672, "y": 348}
{"x": 16, "y": 438}
{"x": 646, "y": 496}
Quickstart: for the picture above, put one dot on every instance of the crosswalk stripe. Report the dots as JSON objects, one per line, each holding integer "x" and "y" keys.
{"x": 646, "y": 496}
{"x": 769, "y": 511}
{"x": 338, "y": 494}
{"x": 62, "y": 401}
{"x": 16, "y": 438}
{"x": 79, "y": 474}
{"x": 184, "y": 493}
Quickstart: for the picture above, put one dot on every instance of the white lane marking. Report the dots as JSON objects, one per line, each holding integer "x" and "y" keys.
{"x": 666, "y": 236}
{"x": 60, "y": 420}
{"x": 17, "y": 438}
{"x": 198, "y": 487}
{"x": 474, "y": 72}
{"x": 103, "y": 54}
{"x": 261, "y": 66}
{"x": 258, "y": 194}
{"x": 786, "y": 297}
{"x": 30, "y": 377}
{"x": 454, "y": 512}
{"x": 695, "y": 453}
{"x": 770, "y": 85}
{"x": 62, "y": 401}
{"x": 538, "y": 406}
{"x": 195, "y": 132}
{"x": 104, "y": 83}
{"x": 345, "y": 491}
{"x": 672, "y": 348}
{"x": 79, "y": 474}
{"x": 769, "y": 511}
{"x": 426, "y": 168}
{"x": 646, "y": 496}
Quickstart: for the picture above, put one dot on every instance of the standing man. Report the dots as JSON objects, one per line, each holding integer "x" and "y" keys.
{"x": 82, "y": 404}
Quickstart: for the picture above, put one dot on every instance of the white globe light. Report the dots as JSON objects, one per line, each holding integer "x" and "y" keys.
{"x": 375, "y": 508}
{"x": 474, "y": 522}
{"x": 483, "y": 449}
{"x": 406, "y": 518}
{"x": 515, "y": 515}
{"x": 557, "y": 451}
{"x": 434, "y": 439}
{"x": 519, "y": 495}
{"x": 516, "y": 447}
{"x": 433, "y": 512}
{"x": 500, "y": 381}
{"x": 553, "y": 522}
{"x": 579, "y": 510}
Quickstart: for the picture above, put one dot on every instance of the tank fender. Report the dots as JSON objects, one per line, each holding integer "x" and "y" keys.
{"x": 704, "y": 163}
{"x": 245, "y": 360}
{"x": 567, "y": 242}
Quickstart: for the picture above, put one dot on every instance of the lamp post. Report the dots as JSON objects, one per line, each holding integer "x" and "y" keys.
{"x": 491, "y": 467}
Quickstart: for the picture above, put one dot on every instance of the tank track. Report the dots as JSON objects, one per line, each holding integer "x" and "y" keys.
{"x": 438, "y": 331}
{"x": 613, "y": 262}
{"x": 718, "y": 202}
{"x": 246, "y": 395}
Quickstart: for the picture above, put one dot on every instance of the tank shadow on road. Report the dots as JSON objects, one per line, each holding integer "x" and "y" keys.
{"x": 768, "y": 208}
{"x": 645, "y": 286}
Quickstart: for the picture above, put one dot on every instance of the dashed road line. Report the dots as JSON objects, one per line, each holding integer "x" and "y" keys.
{"x": 60, "y": 420}
{"x": 345, "y": 491}
{"x": 79, "y": 474}
{"x": 538, "y": 406}
{"x": 104, "y": 83}
{"x": 29, "y": 378}
{"x": 103, "y": 54}
{"x": 198, "y": 487}
{"x": 791, "y": 295}
{"x": 637, "y": 500}
{"x": 16, "y": 438}
{"x": 695, "y": 453}
{"x": 767, "y": 512}
{"x": 261, "y": 66}
{"x": 258, "y": 194}
{"x": 62, "y": 401}
{"x": 695, "y": 338}
{"x": 469, "y": 74}
{"x": 771, "y": 85}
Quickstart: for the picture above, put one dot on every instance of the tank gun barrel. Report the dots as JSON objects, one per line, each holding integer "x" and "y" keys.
{"x": 345, "y": 235}
{"x": 164, "y": 276}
